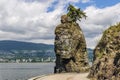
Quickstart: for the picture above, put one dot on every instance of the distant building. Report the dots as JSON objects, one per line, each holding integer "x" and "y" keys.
{"x": 17, "y": 60}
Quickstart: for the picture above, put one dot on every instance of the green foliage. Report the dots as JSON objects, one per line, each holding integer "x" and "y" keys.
{"x": 75, "y": 14}
{"x": 99, "y": 55}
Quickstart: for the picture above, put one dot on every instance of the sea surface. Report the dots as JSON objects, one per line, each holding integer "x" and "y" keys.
{"x": 24, "y": 71}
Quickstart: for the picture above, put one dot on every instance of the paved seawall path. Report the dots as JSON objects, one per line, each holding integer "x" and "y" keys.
{"x": 63, "y": 76}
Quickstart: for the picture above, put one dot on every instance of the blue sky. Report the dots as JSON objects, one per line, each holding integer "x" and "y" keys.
{"x": 105, "y": 3}
{"x": 36, "y": 20}
{"x": 97, "y": 3}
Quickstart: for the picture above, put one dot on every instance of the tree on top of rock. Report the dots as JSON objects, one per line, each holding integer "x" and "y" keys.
{"x": 75, "y": 14}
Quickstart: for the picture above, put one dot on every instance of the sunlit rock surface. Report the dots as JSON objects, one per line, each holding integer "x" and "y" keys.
{"x": 70, "y": 47}
{"x": 106, "y": 64}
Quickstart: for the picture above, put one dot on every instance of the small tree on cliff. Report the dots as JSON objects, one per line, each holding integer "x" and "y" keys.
{"x": 75, "y": 14}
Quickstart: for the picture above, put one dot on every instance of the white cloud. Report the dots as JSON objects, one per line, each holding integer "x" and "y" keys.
{"x": 85, "y": 1}
{"x": 97, "y": 21}
{"x": 93, "y": 41}
{"x": 26, "y": 19}
{"x": 32, "y": 20}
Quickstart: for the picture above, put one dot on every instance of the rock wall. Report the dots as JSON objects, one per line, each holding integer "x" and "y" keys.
{"x": 106, "y": 64}
{"x": 70, "y": 47}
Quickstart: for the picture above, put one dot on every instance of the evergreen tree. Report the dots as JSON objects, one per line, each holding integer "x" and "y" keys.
{"x": 75, "y": 14}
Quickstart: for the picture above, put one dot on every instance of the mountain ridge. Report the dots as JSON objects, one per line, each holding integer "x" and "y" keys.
{"x": 20, "y": 45}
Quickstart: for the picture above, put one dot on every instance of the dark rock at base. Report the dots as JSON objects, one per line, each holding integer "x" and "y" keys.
{"x": 106, "y": 64}
{"x": 70, "y": 47}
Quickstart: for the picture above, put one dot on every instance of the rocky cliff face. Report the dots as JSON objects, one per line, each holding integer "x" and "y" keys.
{"x": 70, "y": 47}
{"x": 106, "y": 64}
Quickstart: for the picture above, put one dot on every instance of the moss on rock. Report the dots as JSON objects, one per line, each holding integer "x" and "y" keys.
{"x": 107, "y": 56}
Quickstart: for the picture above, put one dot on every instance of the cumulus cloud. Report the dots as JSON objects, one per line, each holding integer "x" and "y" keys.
{"x": 97, "y": 21}
{"x": 85, "y": 1}
{"x": 30, "y": 20}
{"x": 35, "y": 20}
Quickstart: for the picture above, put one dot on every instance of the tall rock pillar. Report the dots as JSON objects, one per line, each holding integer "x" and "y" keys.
{"x": 70, "y": 47}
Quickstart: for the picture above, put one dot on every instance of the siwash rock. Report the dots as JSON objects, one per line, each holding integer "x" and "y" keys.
{"x": 106, "y": 64}
{"x": 70, "y": 47}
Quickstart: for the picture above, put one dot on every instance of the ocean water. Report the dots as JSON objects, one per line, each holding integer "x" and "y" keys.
{"x": 24, "y": 71}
